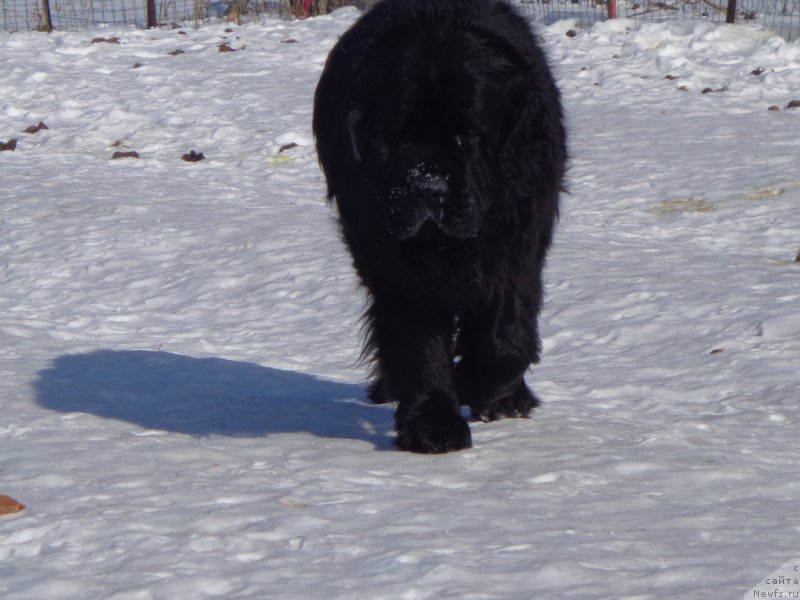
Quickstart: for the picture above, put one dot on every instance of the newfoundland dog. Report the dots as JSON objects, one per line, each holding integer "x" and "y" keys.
{"x": 439, "y": 130}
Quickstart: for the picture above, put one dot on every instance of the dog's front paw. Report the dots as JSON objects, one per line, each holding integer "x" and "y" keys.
{"x": 433, "y": 428}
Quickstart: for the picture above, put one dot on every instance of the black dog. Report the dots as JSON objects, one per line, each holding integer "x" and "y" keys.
{"x": 439, "y": 130}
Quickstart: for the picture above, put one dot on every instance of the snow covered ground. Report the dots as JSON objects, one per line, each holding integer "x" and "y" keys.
{"x": 180, "y": 408}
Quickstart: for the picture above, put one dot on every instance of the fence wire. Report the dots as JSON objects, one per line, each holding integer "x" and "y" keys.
{"x": 781, "y": 16}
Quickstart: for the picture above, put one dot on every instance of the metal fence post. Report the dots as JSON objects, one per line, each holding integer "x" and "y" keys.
{"x": 730, "y": 16}
{"x": 48, "y": 20}
{"x": 152, "y": 18}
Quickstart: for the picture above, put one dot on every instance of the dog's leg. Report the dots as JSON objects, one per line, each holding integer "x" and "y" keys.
{"x": 414, "y": 356}
{"x": 497, "y": 346}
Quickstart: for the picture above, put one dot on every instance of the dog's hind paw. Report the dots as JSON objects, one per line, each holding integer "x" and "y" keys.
{"x": 517, "y": 405}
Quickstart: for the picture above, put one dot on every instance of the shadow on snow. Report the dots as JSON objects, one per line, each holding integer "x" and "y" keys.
{"x": 209, "y": 396}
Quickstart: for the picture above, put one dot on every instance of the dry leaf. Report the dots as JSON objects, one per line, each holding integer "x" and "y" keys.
{"x": 36, "y": 128}
{"x": 193, "y": 156}
{"x": 130, "y": 154}
{"x": 9, "y": 506}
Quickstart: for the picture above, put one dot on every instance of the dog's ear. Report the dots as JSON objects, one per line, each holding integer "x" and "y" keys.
{"x": 355, "y": 130}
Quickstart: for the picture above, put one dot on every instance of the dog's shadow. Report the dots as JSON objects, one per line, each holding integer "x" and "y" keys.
{"x": 209, "y": 396}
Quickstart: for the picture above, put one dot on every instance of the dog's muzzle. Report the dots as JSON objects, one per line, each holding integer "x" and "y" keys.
{"x": 426, "y": 197}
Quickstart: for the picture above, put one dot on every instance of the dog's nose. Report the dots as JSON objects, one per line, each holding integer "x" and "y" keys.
{"x": 429, "y": 188}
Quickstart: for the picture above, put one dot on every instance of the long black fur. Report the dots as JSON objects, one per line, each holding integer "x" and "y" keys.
{"x": 439, "y": 130}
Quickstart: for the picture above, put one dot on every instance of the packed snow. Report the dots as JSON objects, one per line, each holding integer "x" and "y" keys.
{"x": 182, "y": 410}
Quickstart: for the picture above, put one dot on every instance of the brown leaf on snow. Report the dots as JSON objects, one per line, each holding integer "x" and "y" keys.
{"x": 130, "y": 154}
{"x": 9, "y": 506}
{"x": 9, "y": 145}
{"x": 36, "y": 128}
{"x": 193, "y": 156}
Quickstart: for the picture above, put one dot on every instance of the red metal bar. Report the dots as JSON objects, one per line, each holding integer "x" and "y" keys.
{"x": 730, "y": 17}
{"x": 152, "y": 19}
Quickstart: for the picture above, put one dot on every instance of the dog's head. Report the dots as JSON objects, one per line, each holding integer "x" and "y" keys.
{"x": 428, "y": 132}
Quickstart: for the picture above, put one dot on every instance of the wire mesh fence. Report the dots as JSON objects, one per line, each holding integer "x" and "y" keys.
{"x": 41, "y": 15}
{"x": 781, "y": 16}
{"x": 550, "y": 11}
